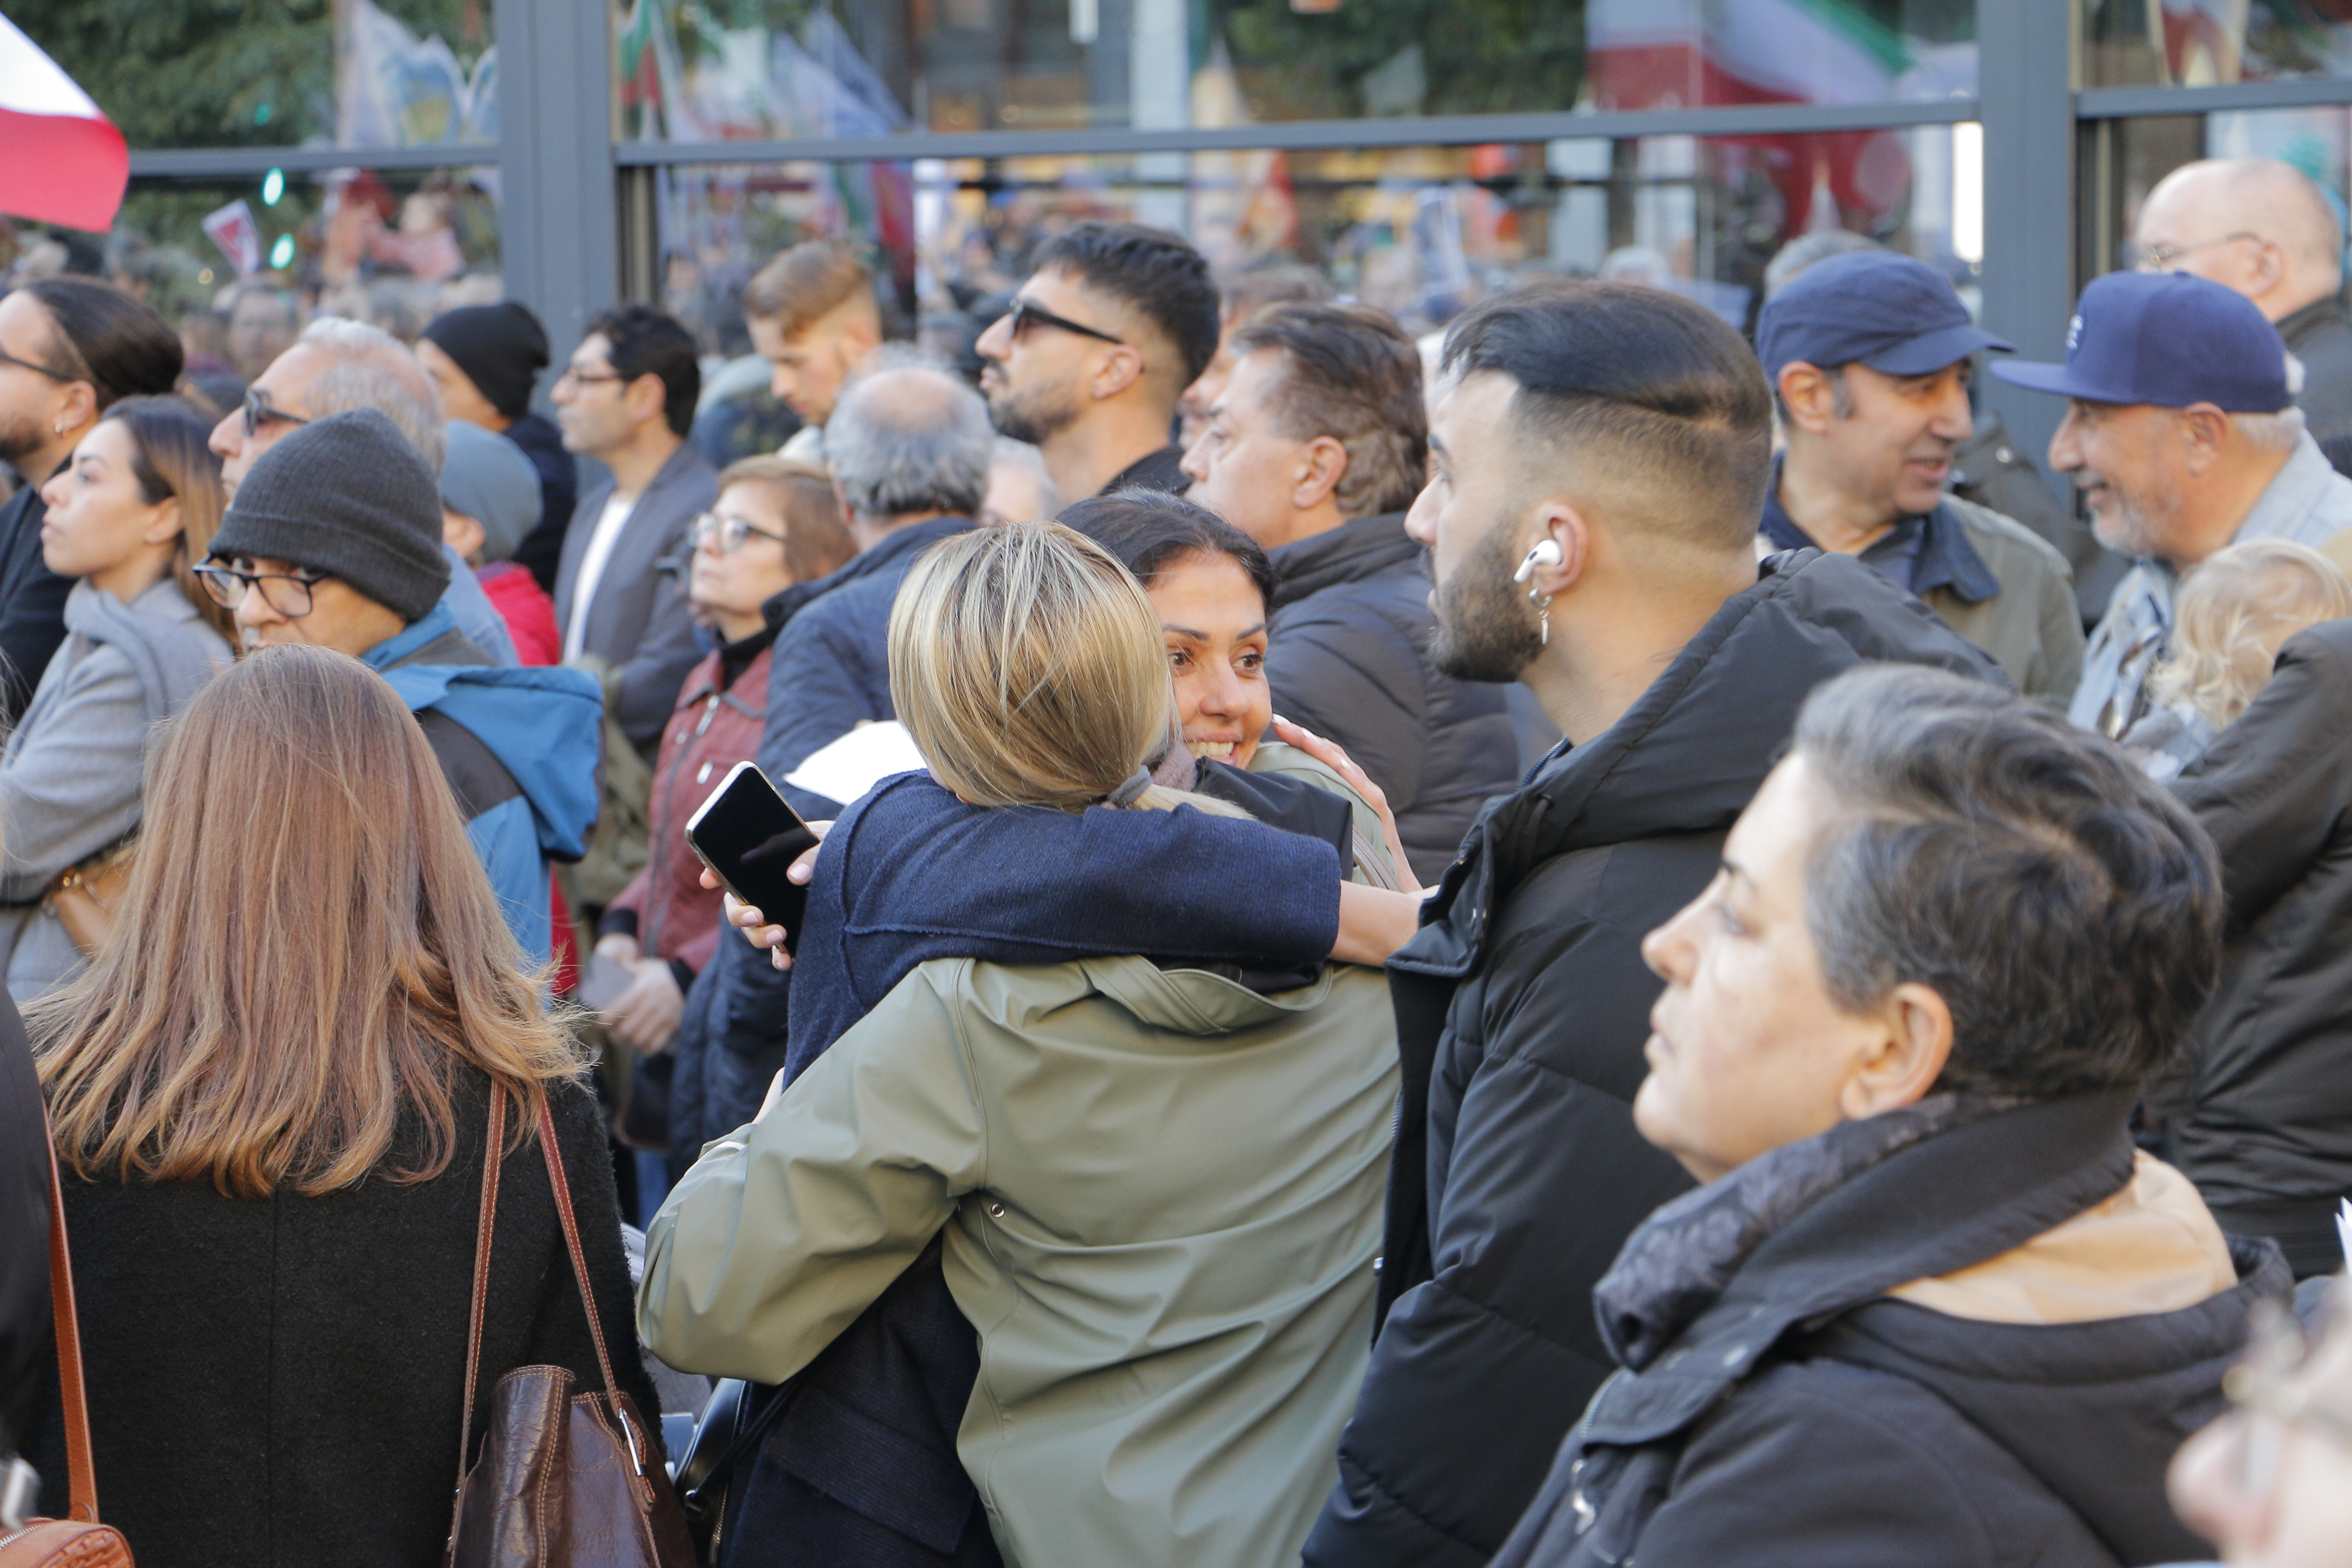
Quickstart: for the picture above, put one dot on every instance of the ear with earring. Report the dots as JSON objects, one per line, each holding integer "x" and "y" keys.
{"x": 1544, "y": 553}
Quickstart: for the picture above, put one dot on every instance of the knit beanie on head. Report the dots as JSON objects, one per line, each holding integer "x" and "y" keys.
{"x": 487, "y": 478}
{"x": 501, "y": 349}
{"x": 351, "y": 496}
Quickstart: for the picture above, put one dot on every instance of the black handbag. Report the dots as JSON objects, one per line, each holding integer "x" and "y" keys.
{"x": 735, "y": 1419}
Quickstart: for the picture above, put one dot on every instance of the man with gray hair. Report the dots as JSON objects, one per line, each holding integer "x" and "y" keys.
{"x": 910, "y": 444}
{"x": 336, "y": 366}
{"x": 2265, "y": 229}
{"x": 2182, "y": 434}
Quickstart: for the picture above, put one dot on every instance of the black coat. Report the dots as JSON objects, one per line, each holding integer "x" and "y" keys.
{"x": 1348, "y": 658}
{"x": 1522, "y": 1006}
{"x": 1793, "y": 1412}
{"x": 32, "y": 601}
{"x": 23, "y": 1233}
{"x": 2267, "y": 1132}
{"x": 281, "y": 1380}
{"x": 2320, "y": 335}
{"x": 541, "y": 550}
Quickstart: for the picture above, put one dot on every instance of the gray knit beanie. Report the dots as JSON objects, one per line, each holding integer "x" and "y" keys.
{"x": 351, "y": 496}
{"x": 487, "y": 478}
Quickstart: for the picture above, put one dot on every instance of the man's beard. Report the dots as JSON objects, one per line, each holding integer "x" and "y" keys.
{"x": 20, "y": 437}
{"x": 2136, "y": 528}
{"x": 1035, "y": 415}
{"x": 1486, "y": 628}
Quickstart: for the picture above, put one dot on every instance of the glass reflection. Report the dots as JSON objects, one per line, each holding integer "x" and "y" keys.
{"x": 707, "y": 71}
{"x": 2201, "y": 43}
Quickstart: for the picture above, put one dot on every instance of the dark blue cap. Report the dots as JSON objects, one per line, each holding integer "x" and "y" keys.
{"x": 2168, "y": 339}
{"x": 1893, "y": 313}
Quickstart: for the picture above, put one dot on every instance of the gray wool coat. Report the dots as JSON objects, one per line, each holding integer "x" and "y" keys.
{"x": 70, "y": 776}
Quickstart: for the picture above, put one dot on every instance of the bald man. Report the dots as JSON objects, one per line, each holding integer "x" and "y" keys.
{"x": 2263, "y": 228}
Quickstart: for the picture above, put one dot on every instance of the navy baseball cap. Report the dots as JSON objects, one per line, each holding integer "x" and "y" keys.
{"x": 1894, "y": 313}
{"x": 2167, "y": 339}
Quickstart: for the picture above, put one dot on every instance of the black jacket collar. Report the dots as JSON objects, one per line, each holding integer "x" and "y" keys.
{"x": 1162, "y": 471}
{"x": 1361, "y": 548}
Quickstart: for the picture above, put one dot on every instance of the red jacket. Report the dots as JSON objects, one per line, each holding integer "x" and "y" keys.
{"x": 712, "y": 731}
{"x": 529, "y": 613}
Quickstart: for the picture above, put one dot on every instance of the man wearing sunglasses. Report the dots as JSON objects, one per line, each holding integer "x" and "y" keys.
{"x": 68, "y": 347}
{"x": 2263, "y": 228}
{"x": 337, "y": 365}
{"x": 1089, "y": 364}
{"x": 334, "y": 538}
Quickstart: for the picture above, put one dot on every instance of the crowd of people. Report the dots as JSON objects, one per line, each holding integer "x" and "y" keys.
{"x": 1579, "y": 943}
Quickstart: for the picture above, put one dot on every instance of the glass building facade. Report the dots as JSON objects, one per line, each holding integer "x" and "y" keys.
{"x": 388, "y": 159}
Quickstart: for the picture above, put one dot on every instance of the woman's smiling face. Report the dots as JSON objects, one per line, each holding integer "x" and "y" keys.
{"x": 1213, "y": 620}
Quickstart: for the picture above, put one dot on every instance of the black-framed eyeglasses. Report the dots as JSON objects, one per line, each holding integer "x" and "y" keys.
{"x": 1024, "y": 312}
{"x": 287, "y": 592}
{"x": 728, "y": 533}
{"x": 261, "y": 411}
{"x": 577, "y": 377}
{"x": 57, "y": 375}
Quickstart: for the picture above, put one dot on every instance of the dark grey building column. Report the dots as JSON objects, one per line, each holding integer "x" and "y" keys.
{"x": 2026, "y": 105}
{"x": 556, "y": 162}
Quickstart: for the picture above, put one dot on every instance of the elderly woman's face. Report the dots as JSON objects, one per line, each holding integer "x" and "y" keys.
{"x": 1748, "y": 1050}
{"x": 2274, "y": 1489}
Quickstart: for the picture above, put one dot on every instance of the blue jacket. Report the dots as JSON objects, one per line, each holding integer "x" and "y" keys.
{"x": 831, "y": 667}
{"x": 520, "y": 748}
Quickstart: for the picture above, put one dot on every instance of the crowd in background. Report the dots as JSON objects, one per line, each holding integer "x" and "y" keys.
{"x": 1579, "y": 940}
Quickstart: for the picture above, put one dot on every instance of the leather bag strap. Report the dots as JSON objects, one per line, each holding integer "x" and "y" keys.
{"x": 572, "y": 1239}
{"x": 80, "y": 1472}
{"x": 492, "y": 1156}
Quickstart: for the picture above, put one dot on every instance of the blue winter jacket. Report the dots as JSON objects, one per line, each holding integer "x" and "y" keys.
{"x": 520, "y": 748}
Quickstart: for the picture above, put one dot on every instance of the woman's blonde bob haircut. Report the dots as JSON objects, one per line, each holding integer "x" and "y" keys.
{"x": 2234, "y": 611}
{"x": 308, "y": 952}
{"x": 1029, "y": 667}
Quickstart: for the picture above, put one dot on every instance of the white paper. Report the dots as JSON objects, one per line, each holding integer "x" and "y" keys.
{"x": 858, "y": 761}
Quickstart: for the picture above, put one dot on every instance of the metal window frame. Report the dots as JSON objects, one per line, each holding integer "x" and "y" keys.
{"x": 574, "y": 237}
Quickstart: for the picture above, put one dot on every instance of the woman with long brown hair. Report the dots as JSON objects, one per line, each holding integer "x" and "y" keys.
{"x": 271, "y": 1095}
{"x": 129, "y": 516}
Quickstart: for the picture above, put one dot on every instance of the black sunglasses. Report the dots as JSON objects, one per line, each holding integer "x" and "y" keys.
{"x": 259, "y": 412}
{"x": 1024, "y": 312}
{"x": 59, "y": 375}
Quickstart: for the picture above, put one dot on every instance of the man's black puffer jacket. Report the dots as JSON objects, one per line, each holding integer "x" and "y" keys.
{"x": 1522, "y": 1006}
{"x": 2267, "y": 1136}
{"x": 1347, "y": 656}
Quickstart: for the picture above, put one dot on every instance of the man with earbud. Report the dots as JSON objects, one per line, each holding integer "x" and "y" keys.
{"x": 1600, "y": 453}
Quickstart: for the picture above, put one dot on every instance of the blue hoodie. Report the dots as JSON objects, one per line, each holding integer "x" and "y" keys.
{"x": 520, "y": 747}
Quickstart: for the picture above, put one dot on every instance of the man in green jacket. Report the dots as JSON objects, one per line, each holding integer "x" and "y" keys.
{"x": 1868, "y": 355}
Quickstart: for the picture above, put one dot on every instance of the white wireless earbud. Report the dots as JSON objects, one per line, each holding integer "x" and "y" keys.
{"x": 1546, "y": 553}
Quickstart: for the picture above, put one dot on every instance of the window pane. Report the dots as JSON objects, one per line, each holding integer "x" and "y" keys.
{"x": 694, "y": 70}
{"x": 392, "y": 248}
{"x": 2197, "y": 43}
{"x": 1422, "y": 231}
{"x": 2313, "y": 139}
{"x": 227, "y": 73}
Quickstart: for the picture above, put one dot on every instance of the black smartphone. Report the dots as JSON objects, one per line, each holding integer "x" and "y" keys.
{"x": 749, "y": 836}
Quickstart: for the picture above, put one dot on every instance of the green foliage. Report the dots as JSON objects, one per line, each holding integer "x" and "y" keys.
{"x": 220, "y": 73}
{"x": 1479, "y": 57}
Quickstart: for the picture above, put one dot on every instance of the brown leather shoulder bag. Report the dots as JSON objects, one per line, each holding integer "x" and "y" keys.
{"x": 565, "y": 1480}
{"x": 77, "y": 1540}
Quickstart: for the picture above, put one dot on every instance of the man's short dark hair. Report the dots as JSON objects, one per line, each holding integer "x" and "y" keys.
{"x": 2067, "y": 907}
{"x": 1353, "y": 376}
{"x": 646, "y": 342}
{"x": 1150, "y": 530}
{"x": 1153, "y": 272}
{"x": 1657, "y": 401}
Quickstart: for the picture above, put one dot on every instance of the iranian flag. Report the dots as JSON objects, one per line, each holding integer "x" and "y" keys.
{"x": 61, "y": 160}
{"x": 1679, "y": 54}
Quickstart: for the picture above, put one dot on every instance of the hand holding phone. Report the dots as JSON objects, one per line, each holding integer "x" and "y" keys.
{"x": 749, "y": 836}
